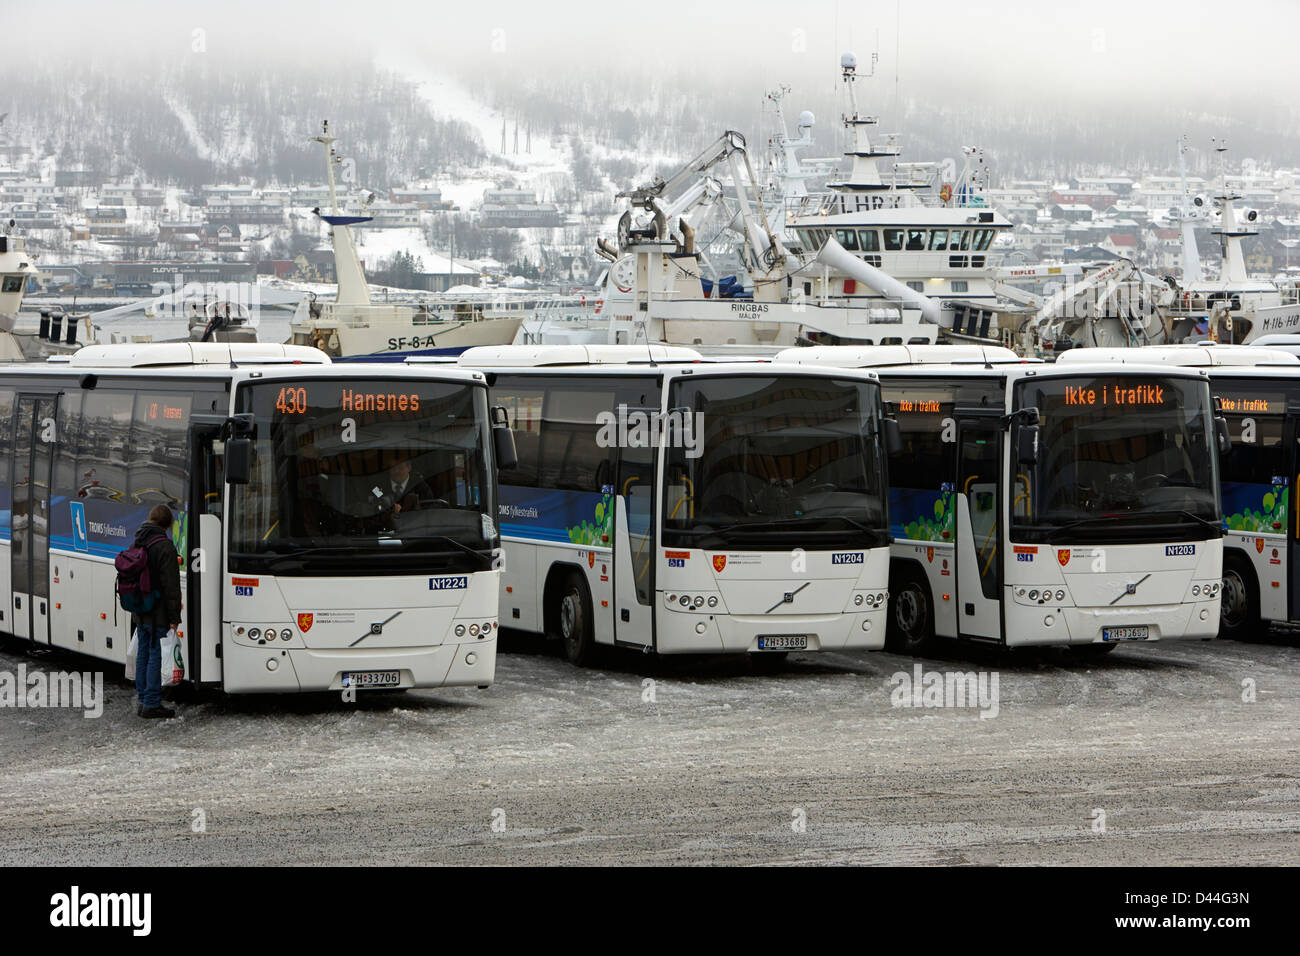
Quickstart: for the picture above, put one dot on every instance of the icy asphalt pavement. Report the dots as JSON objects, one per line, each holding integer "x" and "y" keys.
{"x": 711, "y": 763}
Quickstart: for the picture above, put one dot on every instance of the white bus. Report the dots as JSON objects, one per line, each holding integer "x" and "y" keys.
{"x": 298, "y": 571}
{"x": 678, "y": 506}
{"x": 1041, "y": 504}
{"x": 1257, "y": 390}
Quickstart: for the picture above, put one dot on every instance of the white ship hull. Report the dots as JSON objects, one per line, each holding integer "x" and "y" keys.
{"x": 394, "y": 330}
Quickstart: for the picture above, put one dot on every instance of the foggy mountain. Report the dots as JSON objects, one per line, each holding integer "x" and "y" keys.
{"x": 189, "y": 121}
{"x": 210, "y": 120}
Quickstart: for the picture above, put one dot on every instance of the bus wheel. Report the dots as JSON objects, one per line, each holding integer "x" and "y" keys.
{"x": 573, "y": 618}
{"x": 1239, "y": 607}
{"x": 911, "y": 616}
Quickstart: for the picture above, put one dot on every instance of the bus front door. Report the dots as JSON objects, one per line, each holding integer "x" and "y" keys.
{"x": 979, "y": 564}
{"x": 33, "y": 458}
{"x": 1291, "y": 462}
{"x": 205, "y": 553}
{"x": 634, "y": 550}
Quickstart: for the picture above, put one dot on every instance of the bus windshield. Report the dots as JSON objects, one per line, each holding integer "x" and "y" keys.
{"x": 1137, "y": 448}
{"x": 349, "y": 470}
{"x": 775, "y": 462}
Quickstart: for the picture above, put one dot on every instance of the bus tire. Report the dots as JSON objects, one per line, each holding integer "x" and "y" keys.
{"x": 572, "y": 618}
{"x": 1239, "y": 600}
{"x": 911, "y": 615}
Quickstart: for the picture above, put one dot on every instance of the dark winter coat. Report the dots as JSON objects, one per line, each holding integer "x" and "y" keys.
{"x": 164, "y": 575}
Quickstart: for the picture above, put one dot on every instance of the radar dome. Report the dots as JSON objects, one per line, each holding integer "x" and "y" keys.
{"x": 848, "y": 62}
{"x": 806, "y": 118}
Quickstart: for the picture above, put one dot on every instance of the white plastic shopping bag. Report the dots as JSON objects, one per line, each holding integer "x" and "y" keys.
{"x": 131, "y": 647}
{"x": 173, "y": 664}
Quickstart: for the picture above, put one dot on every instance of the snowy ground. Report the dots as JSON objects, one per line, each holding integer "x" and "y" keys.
{"x": 579, "y": 768}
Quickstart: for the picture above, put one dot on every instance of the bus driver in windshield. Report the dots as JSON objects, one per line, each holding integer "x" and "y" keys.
{"x": 403, "y": 487}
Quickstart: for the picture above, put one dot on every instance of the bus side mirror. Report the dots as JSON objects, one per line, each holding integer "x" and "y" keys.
{"x": 893, "y": 436}
{"x": 1222, "y": 434}
{"x": 1027, "y": 445}
{"x": 239, "y": 460}
{"x": 503, "y": 439}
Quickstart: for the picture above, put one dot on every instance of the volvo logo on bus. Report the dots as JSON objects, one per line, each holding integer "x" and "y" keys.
{"x": 847, "y": 557}
{"x": 448, "y": 583}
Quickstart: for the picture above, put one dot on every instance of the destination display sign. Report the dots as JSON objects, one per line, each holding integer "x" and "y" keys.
{"x": 913, "y": 401}
{"x": 1257, "y": 404}
{"x": 293, "y": 400}
{"x": 1125, "y": 394}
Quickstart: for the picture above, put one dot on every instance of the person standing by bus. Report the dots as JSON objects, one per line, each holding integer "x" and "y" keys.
{"x": 151, "y": 626}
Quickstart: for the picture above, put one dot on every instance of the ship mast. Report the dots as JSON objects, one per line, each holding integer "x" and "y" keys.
{"x": 351, "y": 278}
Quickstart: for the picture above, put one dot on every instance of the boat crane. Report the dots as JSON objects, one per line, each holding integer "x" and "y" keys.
{"x": 665, "y": 200}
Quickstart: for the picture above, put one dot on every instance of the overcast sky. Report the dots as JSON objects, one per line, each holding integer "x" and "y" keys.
{"x": 1177, "y": 51}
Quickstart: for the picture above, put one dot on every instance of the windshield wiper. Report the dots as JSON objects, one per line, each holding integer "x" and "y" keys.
{"x": 1185, "y": 514}
{"x": 1134, "y": 516}
{"x": 276, "y": 558}
{"x": 1061, "y": 529}
{"x": 452, "y": 541}
{"x": 769, "y": 527}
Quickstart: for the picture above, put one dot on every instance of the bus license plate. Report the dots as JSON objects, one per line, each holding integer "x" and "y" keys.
{"x": 1137, "y": 632}
{"x": 372, "y": 679}
{"x": 783, "y": 642}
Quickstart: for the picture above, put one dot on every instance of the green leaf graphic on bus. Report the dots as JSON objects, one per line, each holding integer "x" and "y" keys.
{"x": 596, "y": 531}
{"x": 1255, "y": 509}
{"x": 921, "y": 515}
{"x": 180, "y": 536}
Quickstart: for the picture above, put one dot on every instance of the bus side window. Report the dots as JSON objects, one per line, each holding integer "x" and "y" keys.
{"x": 158, "y": 460}
{"x": 6, "y": 448}
{"x": 523, "y": 407}
{"x": 64, "y": 480}
{"x": 572, "y": 458}
{"x": 1249, "y": 470}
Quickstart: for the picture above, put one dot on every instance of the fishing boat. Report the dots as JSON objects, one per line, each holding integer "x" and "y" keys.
{"x": 354, "y": 325}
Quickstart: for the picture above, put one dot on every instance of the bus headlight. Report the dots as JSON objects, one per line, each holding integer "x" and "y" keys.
{"x": 473, "y": 630}
{"x": 1196, "y": 589}
{"x": 713, "y": 600}
{"x": 254, "y": 632}
{"x": 685, "y": 600}
{"x": 460, "y": 630}
{"x": 1033, "y": 595}
{"x": 285, "y": 634}
{"x": 699, "y": 600}
{"x": 1060, "y": 595}
{"x": 858, "y": 599}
